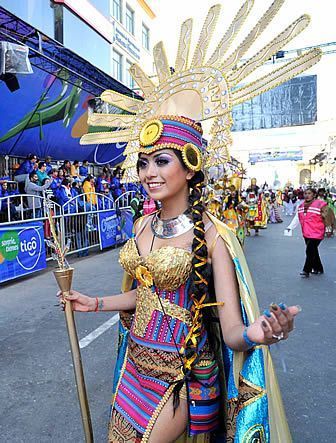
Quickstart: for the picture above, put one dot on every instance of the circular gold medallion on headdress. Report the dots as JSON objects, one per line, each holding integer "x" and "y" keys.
{"x": 192, "y": 157}
{"x": 151, "y": 132}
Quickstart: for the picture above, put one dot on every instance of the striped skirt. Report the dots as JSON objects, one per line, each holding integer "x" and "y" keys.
{"x": 145, "y": 385}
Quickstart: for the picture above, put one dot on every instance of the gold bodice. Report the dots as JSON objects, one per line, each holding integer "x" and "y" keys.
{"x": 169, "y": 266}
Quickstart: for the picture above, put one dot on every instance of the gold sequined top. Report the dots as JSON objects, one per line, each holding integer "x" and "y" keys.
{"x": 169, "y": 266}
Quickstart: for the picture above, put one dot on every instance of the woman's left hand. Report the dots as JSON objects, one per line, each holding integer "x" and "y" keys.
{"x": 274, "y": 325}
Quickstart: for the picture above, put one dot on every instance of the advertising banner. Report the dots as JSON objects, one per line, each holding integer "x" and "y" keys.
{"x": 293, "y": 103}
{"x": 109, "y": 229}
{"x": 22, "y": 250}
{"x": 271, "y": 156}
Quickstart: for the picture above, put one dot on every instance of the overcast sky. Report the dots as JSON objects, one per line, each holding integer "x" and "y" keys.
{"x": 171, "y": 13}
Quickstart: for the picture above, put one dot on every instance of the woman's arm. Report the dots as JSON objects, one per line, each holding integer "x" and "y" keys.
{"x": 85, "y": 303}
{"x": 277, "y": 321}
{"x": 121, "y": 302}
{"x": 226, "y": 287}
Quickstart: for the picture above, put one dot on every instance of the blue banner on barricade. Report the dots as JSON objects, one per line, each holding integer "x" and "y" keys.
{"x": 22, "y": 250}
{"x": 109, "y": 229}
{"x": 126, "y": 224}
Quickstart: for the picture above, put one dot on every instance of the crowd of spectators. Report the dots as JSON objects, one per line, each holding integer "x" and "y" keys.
{"x": 34, "y": 177}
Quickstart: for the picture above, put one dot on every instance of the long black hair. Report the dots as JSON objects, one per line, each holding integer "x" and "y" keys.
{"x": 200, "y": 277}
{"x": 201, "y": 286}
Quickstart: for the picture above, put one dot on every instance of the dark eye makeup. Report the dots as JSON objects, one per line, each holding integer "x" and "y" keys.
{"x": 160, "y": 160}
{"x": 142, "y": 163}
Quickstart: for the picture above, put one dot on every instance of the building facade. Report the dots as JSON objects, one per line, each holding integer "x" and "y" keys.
{"x": 131, "y": 20}
{"x": 110, "y": 34}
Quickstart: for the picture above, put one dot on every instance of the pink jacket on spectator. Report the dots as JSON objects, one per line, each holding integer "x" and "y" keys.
{"x": 312, "y": 222}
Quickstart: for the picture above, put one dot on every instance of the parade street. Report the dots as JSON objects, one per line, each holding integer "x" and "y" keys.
{"x": 38, "y": 399}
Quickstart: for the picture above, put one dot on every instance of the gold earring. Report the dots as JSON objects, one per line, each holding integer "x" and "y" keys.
{"x": 192, "y": 157}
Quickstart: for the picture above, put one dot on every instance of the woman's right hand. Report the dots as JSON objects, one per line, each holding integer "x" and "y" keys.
{"x": 79, "y": 302}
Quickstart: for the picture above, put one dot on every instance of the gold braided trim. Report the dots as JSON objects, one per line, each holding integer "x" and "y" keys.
{"x": 190, "y": 153}
{"x": 201, "y": 242}
{"x": 156, "y": 413}
{"x": 155, "y": 367}
{"x": 160, "y": 146}
{"x": 191, "y": 341}
{"x": 147, "y": 302}
{"x": 120, "y": 377}
{"x": 196, "y": 329}
{"x": 184, "y": 120}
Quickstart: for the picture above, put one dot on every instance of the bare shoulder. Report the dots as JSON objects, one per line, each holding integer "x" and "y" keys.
{"x": 210, "y": 228}
{"x": 211, "y": 235}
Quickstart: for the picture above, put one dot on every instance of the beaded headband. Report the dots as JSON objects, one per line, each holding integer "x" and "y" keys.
{"x": 171, "y": 132}
{"x": 201, "y": 87}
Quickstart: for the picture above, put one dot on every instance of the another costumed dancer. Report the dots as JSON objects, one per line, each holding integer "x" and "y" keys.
{"x": 193, "y": 358}
{"x": 213, "y": 203}
{"x": 230, "y": 204}
{"x": 234, "y": 212}
{"x": 252, "y": 202}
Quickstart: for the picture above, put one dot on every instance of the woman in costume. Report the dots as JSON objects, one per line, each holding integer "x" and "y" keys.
{"x": 193, "y": 356}
{"x": 171, "y": 377}
{"x": 214, "y": 204}
{"x": 274, "y": 211}
{"x": 232, "y": 213}
{"x": 254, "y": 214}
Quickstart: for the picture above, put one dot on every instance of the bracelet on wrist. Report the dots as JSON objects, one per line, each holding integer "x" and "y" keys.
{"x": 250, "y": 343}
{"x": 96, "y": 306}
{"x": 99, "y": 304}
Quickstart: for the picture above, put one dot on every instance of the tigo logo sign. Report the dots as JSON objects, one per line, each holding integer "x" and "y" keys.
{"x": 21, "y": 249}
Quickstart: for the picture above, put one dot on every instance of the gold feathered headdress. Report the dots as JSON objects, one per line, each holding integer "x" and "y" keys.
{"x": 199, "y": 87}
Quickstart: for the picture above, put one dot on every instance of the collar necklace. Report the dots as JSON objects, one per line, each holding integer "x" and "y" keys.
{"x": 172, "y": 227}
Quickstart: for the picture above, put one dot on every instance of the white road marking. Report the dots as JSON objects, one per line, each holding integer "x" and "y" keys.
{"x": 99, "y": 331}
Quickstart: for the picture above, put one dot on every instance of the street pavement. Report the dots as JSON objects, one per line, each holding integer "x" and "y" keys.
{"x": 38, "y": 399}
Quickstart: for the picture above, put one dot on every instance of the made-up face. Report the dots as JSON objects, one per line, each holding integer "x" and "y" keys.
{"x": 163, "y": 175}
